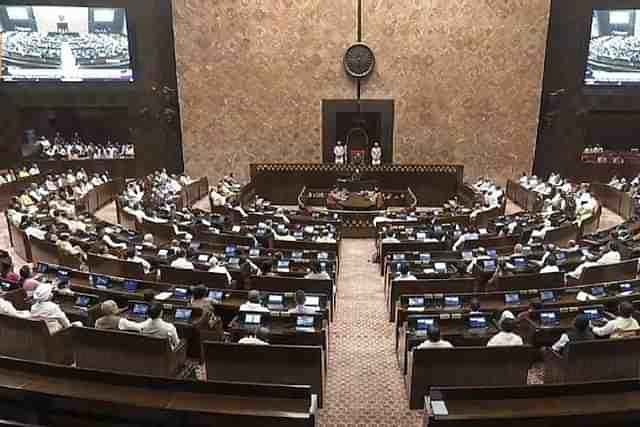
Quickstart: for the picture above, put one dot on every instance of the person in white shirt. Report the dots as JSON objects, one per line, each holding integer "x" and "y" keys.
{"x": 156, "y": 327}
{"x": 434, "y": 340}
{"x": 580, "y": 332}
{"x": 506, "y": 336}
{"x": 550, "y": 265}
{"x": 300, "y": 308}
{"x": 481, "y": 255}
{"x": 610, "y": 257}
{"x": 107, "y": 240}
{"x": 133, "y": 256}
{"x": 317, "y": 272}
{"x": 253, "y": 303}
{"x": 623, "y": 322}
{"x": 217, "y": 199}
{"x": 405, "y": 274}
{"x": 181, "y": 261}
{"x": 256, "y": 336}
{"x": 218, "y": 267}
{"x": 463, "y": 238}
{"x": 6, "y": 307}
{"x": 389, "y": 237}
{"x": 47, "y": 310}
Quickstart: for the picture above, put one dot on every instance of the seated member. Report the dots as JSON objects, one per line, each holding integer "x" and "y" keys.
{"x": 300, "y": 308}
{"x": 481, "y": 254}
{"x": 103, "y": 251}
{"x": 253, "y": 303}
{"x": 434, "y": 340}
{"x": 219, "y": 267}
{"x": 550, "y": 265}
{"x": 474, "y": 306}
{"x": 317, "y": 272}
{"x": 623, "y": 322}
{"x": 6, "y": 307}
{"x": 110, "y": 319}
{"x": 256, "y": 336}
{"x": 404, "y": 273}
{"x": 148, "y": 242}
{"x": 581, "y": 331}
{"x": 47, "y": 310}
{"x": 506, "y": 336}
{"x": 27, "y": 281}
{"x": 156, "y": 327}
{"x": 132, "y": 256}
{"x": 612, "y": 256}
{"x": 181, "y": 261}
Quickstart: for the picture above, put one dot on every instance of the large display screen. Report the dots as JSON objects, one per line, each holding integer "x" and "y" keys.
{"x": 64, "y": 43}
{"x": 614, "y": 48}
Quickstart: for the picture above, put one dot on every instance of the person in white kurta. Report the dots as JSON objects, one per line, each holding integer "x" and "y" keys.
{"x": 339, "y": 153}
{"x": 47, "y": 310}
{"x": 376, "y": 154}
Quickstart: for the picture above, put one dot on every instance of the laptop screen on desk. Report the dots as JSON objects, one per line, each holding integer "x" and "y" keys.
{"x": 276, "y": 299}
{"x": 592, "y": 313}
{"x": 83, "y": 301}
{"x": 180, "y": 293}
{"x": 283, "y": 265}
{"x": 312, "y": 301}
{"x": 252, "y": 318}
{"x": 183, "y": 314}
{"x": 452, "y": 301}
{"x": 398, "y": 257}
{"x": 489, "y": 264}
{"x": 296, "y": 255}
{"x": 216, "y": 295}
{"x": 423, "y": 324}
{"x": 230, "y": 250}
{"x": 597, "y": 291}
{"x": 254, "y": 252}
{"x": 140, "y": 309}
{"x": 130, "y": 285}
{"x": 416, "y": 301}
{"x": 547, "y": 296}
{"x": 519, "y": 262}
{"x": 304, "y": 321}
{"x": 548, "y": 318}
{"x": 477, "y": 322}
{"x": 203, "y": 257}
{"x": 512, "y": 298}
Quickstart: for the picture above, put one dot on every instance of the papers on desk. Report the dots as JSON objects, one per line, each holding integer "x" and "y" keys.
{"x": 583, "y": 296}
{"x": 438, "y": 407}
{"x": 163, "y": 296}
{"x": 415, "y": 308}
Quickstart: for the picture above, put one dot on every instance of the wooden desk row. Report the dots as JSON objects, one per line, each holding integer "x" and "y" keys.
{"x": 619, "y": 202}
{"x": 61, "y": 396}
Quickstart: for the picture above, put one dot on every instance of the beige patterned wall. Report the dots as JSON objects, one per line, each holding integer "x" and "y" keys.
{"x": 466, "y": 77}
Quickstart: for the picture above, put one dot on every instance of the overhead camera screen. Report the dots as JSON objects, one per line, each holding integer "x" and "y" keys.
{"x": 63, "y": 43}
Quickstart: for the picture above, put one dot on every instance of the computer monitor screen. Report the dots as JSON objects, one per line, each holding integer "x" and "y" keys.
{"x": 230, "y": 249}
{"x": 101, "y": 281}
{"x": 253, "y": 252}
{"x": 477, "y": 322}
{"x": 512, "y": 298}
{"x": 183, "y": 314}
{"x": 467, "y": 254}
{"x": 421, "y": 235}
{"x": 140, "y": 309}
{"x": 203, "y": 257}
{"x": 233, "y": 261}
{"x": 64, "y": 44}
{"x": 425, "y": 257}
{"x": 252, "y": 318}
{"x": 296, "y": 254}
{"x": 62, "y": 274}
{"x": 180, "y": 293}
{"x": 492, "y": 253}
{"x": 41, "y": 268}
{"x": 130, "y": 285}
{"x": 423, "y": 324}
{"x": 163, "y": 252}
{"x": 626, "y": 287}
{"x": 548, "y": 317}
{"x": 304, "y": 321}
{"x": 613, "y": 58}
{"x": 489, "y": 264}
{"x": 323, "y": 255}
{"x": 547, "y": 296}
{"x": 519, "y": 261}
{"x": 561, "y": 256}
{"x": 591, "y": 313}
{"x": 83, "y": 300}
{"x": 312, "y": 301}
{"x": 440, "y": 267}
{"x": 416, "y": 301}
{"x": 216, "y": 295}
{"x": 276, "y": 299}
{"x": 398, "y": 257}
{"x": 452, "y": 301}
{"x": 283, "y": 265}
{"x": 597, "y": 291}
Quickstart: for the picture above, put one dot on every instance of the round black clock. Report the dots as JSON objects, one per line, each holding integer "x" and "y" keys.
{"x": 359, "y": 60}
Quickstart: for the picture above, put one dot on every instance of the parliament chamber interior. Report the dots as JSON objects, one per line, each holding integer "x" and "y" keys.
{"x": 321, "y": 213}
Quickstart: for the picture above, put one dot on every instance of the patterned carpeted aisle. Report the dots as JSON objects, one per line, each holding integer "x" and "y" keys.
{"x": 364, "y": 385}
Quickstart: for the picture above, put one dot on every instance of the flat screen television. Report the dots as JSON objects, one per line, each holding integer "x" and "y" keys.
{"x": 614, "y": 48}
{"x": 64, "y": 44}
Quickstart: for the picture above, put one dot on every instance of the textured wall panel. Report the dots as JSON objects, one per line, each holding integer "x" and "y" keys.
{"x": 465, "y": 74}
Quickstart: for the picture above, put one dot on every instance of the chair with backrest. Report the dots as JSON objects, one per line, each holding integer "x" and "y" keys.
{"x": 30, "y": 339}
